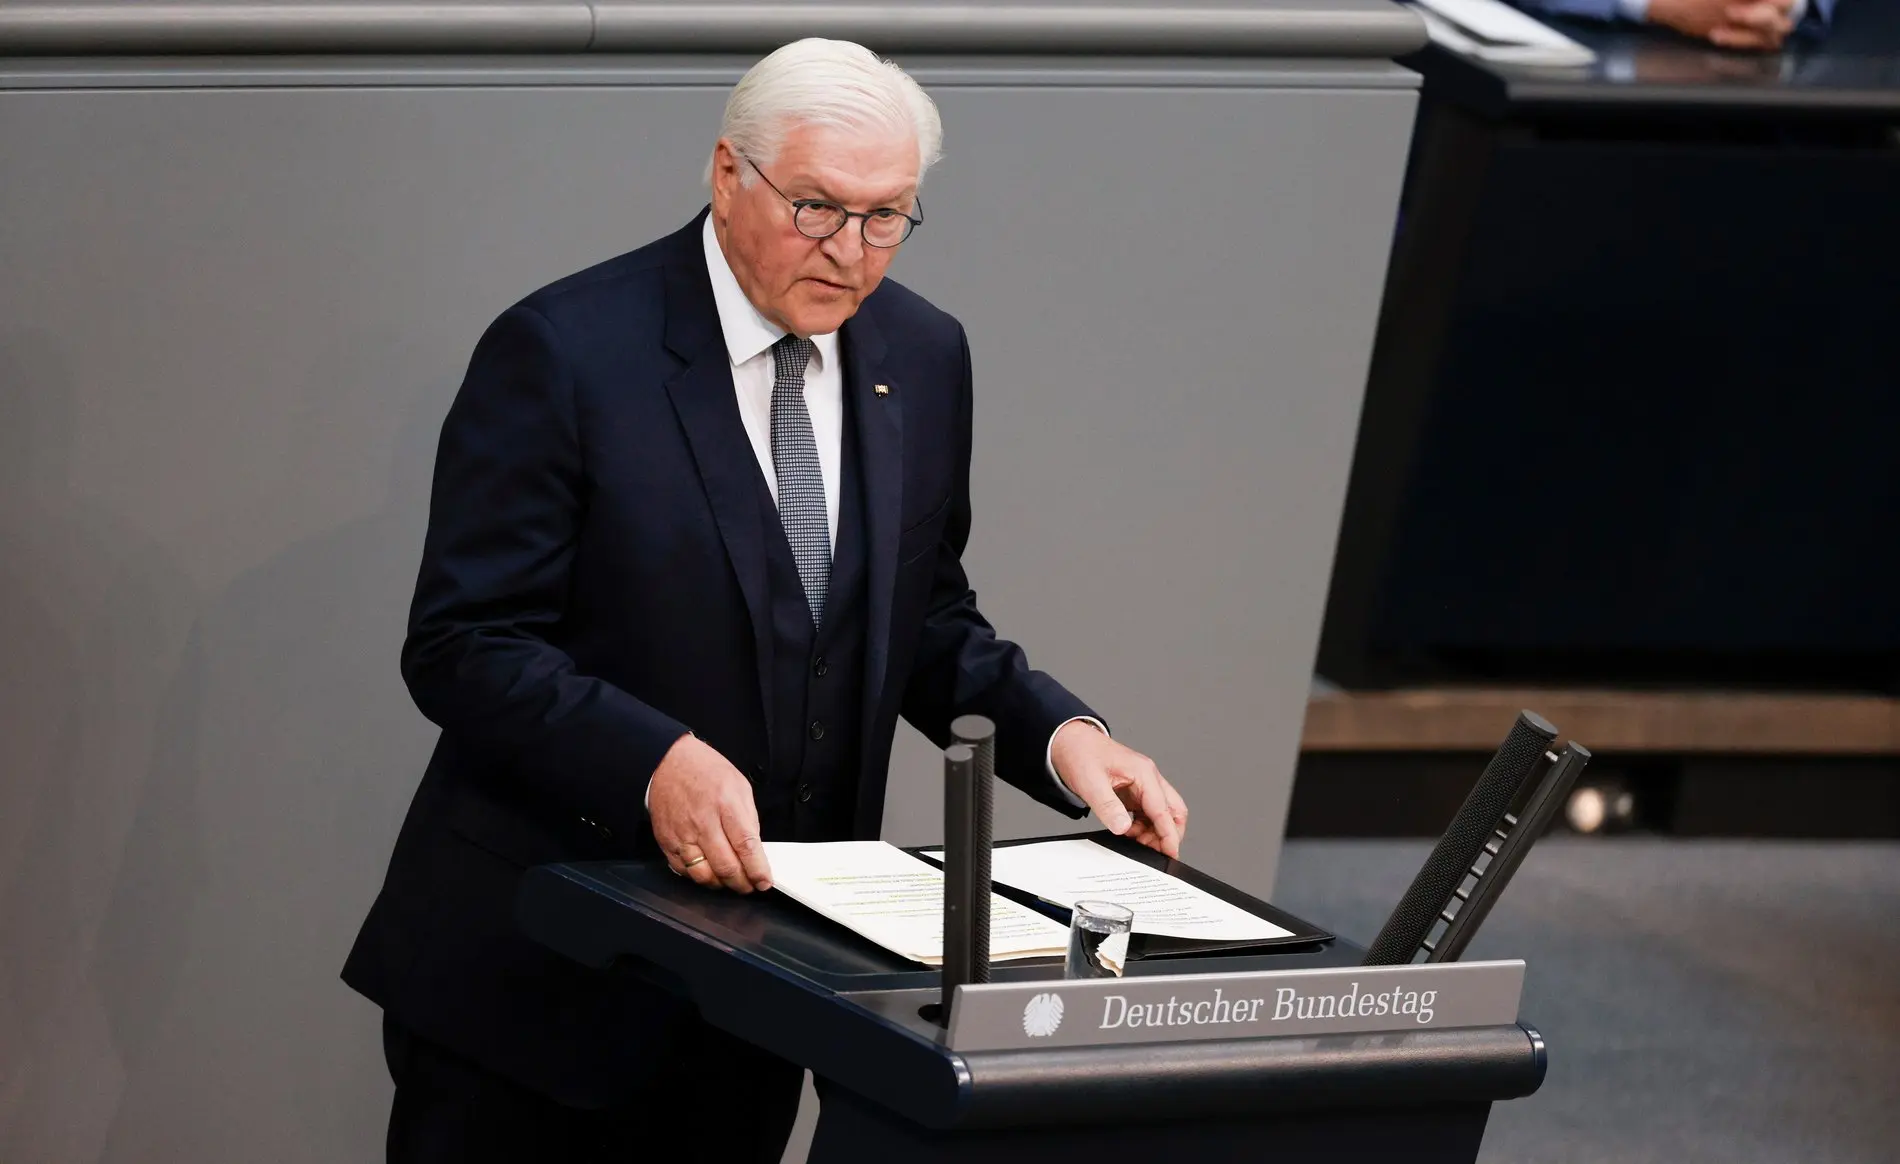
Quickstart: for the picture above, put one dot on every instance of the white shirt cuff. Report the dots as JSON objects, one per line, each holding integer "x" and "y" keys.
{"x": 1799, "y": 12}
{"x": 1636, "y": 10}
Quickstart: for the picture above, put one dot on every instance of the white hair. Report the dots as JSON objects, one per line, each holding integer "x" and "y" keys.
{"x": 831, "y": 83}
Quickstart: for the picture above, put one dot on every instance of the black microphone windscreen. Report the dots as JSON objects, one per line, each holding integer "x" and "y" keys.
{"x": 1482, "y": 812}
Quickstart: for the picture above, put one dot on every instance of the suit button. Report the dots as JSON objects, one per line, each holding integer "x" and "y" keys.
{"x": 804, "y": 794}
{"x": 819, "y": 667}
{"x": 817, "y": 730}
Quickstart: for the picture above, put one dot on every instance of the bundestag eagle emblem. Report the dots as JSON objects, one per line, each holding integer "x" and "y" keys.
{"x": 1042, "y": 1016}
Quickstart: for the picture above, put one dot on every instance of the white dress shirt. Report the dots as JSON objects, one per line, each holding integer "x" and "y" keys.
{"x": 749, "y": 339}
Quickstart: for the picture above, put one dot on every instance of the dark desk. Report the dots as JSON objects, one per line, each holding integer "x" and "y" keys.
{"x": 1631, "y": 404}
{"x": 1854, "y": 71}
{"x": 895, "y": 1086}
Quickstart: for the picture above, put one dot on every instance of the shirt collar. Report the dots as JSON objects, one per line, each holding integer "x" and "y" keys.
{"x": 748, "y": 334}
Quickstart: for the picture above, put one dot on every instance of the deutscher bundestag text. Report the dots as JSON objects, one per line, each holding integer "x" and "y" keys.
{"x": 1288, "y": 1003}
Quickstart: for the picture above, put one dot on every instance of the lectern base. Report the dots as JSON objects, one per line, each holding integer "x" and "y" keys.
{"x": 853, "y": 1130}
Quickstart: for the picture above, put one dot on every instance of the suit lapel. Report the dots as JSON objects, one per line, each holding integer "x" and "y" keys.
{"x": 708, "y": 408}
{"x": 880, "y": 434}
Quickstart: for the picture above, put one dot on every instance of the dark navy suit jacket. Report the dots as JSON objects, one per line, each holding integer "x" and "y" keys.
{"x": 594, "y": 585}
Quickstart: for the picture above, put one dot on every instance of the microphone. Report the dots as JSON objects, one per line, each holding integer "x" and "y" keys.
{"x": 1418, "y": 911}
{"x": 969, "y": 787}
{"x": 1511, "y": 845}
{"x": 959, "y": 962}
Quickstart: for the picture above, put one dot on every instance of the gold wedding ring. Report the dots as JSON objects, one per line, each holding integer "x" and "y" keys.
{"x": 699, "y": 860}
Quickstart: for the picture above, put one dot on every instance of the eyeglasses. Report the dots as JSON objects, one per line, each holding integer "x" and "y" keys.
{"x": 816, "y": 218}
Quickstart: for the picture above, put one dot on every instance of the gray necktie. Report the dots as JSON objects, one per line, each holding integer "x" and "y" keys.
{"x": 801, "y": 487}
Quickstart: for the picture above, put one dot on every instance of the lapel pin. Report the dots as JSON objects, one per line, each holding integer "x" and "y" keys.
{"x": 881, "y": 389}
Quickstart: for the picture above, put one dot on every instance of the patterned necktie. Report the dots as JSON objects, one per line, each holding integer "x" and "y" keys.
{"x": 801, "y": 487}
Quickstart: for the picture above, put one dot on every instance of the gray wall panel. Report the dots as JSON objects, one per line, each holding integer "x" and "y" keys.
{"x": 1365, "y": 28}
{"x": 681, "y": 69}
{"x": 1358, "y": 28}
{"x": 160, "y": 26}
{"x": 230, "y": 324}
{"x": 1168, "y": 297}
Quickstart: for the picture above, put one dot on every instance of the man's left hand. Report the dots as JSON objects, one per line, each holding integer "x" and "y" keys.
{"x": 1121, "y": 786}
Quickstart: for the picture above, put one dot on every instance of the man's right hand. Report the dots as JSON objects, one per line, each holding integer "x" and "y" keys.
{"x": 704, "y": 818}
{"x": 1733, "y": 24}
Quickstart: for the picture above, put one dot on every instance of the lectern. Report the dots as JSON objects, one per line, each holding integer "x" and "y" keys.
{"x": 1288, "y": 1052}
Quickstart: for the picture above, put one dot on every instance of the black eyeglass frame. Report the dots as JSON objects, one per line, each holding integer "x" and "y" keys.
{"x": 799, "y": 204}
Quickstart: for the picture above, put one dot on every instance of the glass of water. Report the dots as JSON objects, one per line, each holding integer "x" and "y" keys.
{"x": 1098, "y": 940}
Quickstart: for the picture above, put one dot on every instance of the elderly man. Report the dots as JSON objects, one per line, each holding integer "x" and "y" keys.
{"x": 695, "y": 544}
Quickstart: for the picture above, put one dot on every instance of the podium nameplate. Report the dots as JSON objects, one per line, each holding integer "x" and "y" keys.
{"x": 1262, "y": 1004}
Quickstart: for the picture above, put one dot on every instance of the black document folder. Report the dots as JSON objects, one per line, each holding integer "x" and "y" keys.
{"x": 1301, "y": 934}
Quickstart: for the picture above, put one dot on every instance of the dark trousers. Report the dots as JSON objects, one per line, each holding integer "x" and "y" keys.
{"x": 720, "y": 1101}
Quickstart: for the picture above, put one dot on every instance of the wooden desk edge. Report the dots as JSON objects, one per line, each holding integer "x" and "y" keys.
{"x": 1476, "y": 719}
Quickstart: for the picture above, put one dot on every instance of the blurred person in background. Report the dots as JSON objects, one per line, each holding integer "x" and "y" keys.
{"x": 1755, "y": 25}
